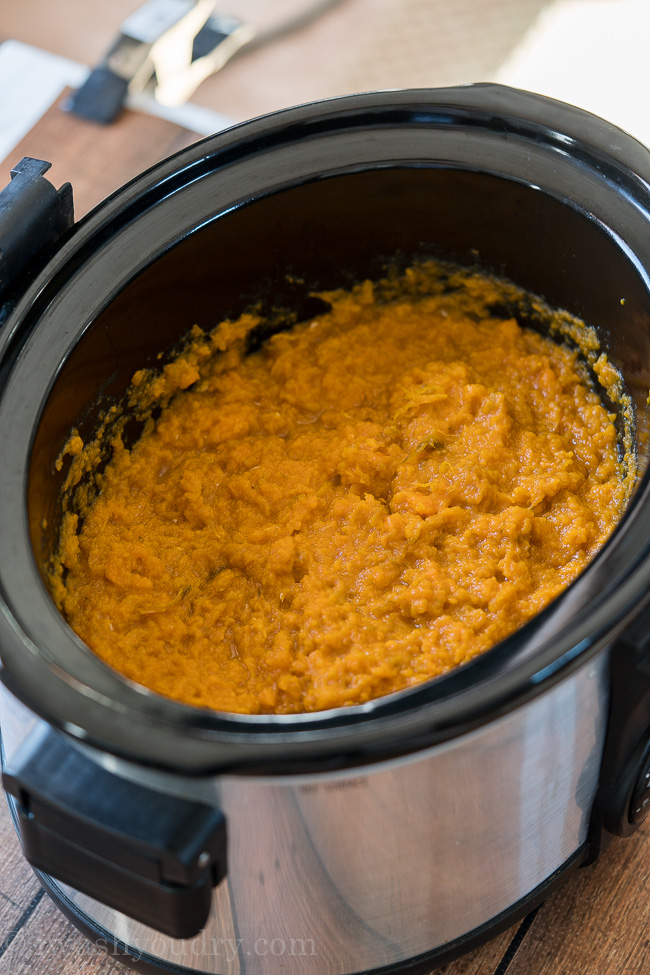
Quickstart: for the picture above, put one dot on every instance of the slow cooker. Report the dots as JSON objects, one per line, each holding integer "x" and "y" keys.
{"x": 385, "y": 837}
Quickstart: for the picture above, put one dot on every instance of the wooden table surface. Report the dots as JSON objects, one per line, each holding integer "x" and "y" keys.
{"x": 598, "y": 922}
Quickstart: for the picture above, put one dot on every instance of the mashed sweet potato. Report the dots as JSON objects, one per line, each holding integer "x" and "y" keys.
{"x": 369, "y": 500}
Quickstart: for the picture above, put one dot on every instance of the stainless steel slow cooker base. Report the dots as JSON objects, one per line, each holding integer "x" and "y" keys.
{"x": 385, "y": 864}
{"x": 109, "y": 943}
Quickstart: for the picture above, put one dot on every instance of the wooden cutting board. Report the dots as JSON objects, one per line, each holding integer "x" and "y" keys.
{"x": 597, "y": 924}
{"x": 96, "y": 159}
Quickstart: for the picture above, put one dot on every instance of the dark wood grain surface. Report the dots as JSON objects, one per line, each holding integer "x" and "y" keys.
{"x": 598, "y": 922}
{"x": 96, "y": 159}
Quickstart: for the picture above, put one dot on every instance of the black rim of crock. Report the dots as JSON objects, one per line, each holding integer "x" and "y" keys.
{"x": 141, "y": 726}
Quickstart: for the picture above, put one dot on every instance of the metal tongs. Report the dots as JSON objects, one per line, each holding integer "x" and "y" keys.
{"x": 166, "y": 48}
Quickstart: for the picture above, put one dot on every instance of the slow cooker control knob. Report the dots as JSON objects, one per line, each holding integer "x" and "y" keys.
{"x": 625, "y": 803}
{"x": 640, "y": 801}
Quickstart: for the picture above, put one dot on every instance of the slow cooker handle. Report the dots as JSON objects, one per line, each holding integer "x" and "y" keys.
{"x": 33, "y": 216}
{"x": 152, "y": 856}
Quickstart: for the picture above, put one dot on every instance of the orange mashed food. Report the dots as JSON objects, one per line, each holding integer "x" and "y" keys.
{"x": 369, "y": 500}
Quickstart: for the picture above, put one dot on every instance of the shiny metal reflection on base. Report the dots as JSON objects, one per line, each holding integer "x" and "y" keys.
{"x": 369, "y": 868}
{"x": 527, "y": 908}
